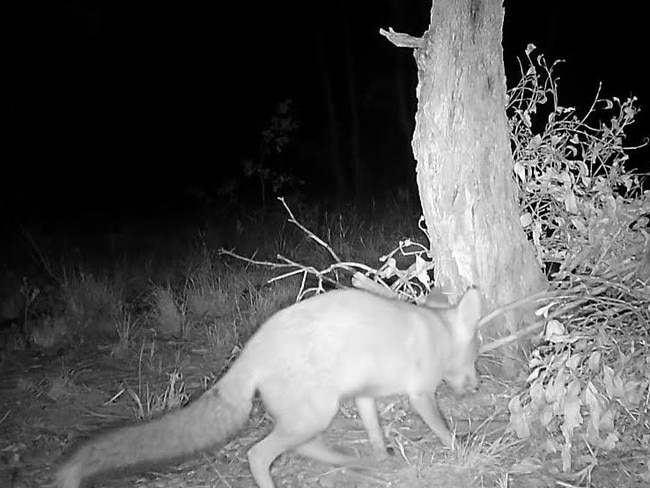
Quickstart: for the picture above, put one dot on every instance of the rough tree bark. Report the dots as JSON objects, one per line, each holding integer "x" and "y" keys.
{"x": 464, "y": 162}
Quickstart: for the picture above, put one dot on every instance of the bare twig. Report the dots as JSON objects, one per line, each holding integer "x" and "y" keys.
{"x": 402, "y": 40}
{"x": 294, "y": 268}
{"x": 41, "y": 257}
{"x": 510, "y": 338}
{"x": 543, "y": 295}
{"x": 310, "y": 234}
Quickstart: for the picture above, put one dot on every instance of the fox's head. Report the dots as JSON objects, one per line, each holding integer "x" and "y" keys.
{"x": 460, "y": 374}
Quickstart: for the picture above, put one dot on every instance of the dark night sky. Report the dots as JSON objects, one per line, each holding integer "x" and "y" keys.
{"x": 128, "y": 99}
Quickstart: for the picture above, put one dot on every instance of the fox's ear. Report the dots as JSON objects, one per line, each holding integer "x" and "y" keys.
{"x": 470, "y": 310}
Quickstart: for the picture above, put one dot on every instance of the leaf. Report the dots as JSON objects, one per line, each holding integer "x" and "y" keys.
{"x": 421, "y": 270}
{"x": 551, "y": 445}
{"x": 572, "y": 417}
{"x": 520, "y": 171}
{"x": 610, "y": 441}
{"x": 607, "y": 420}
{"x": 546, "y": 415}
{"x": 635, "y": 393}
{"x": 579, "y": 224}
{"x": 613, "y": 383}
{"x": 573, "y": 362}
{"x": 389, "y": 269}
{"x": 594, "y": 405}
{"x": 584, "y": 169}
{"x": 553, "y": 329}
{"x": 535, "y": 142}
{"x": 518, "y": 421}
{"x": 570, "y": 202}
{"x": 556, "y": 390}
{"x": 534, "y": 374}
{"x": 535, "y": 359}
{"x": 537, "y": 395}
{"x": 594, "y": 361}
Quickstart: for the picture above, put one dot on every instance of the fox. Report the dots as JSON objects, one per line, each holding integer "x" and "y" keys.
{"x": 303, "y": 361}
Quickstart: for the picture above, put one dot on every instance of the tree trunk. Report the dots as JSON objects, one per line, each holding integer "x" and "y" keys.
{"x": 464, "y": 163}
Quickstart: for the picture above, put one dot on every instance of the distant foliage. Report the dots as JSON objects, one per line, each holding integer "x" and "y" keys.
{"x": 271, "y": 181}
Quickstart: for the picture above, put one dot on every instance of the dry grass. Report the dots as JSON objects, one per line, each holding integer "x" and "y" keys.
{"x": 91, "y": 304}
{"x": 167, "y": 311}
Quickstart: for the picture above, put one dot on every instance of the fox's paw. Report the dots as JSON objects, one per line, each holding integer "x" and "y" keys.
{"x": 459, "y": 439}
{"x": 68, "y": 476}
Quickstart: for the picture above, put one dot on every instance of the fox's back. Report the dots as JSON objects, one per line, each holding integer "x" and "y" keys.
{"x": 347, "y": 340}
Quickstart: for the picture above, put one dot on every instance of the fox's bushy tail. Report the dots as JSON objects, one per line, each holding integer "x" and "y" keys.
{"x": 208, "y": 421}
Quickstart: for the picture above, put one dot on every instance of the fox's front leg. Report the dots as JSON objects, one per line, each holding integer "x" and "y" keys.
{"x": 368, "y": 413}
{"x": 425, "y": 405}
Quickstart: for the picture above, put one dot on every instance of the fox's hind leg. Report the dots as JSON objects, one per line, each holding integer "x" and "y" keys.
{"x": 318, "y": 449}
{"x": 262, "y": 454}
{"x": 299, "y": 420}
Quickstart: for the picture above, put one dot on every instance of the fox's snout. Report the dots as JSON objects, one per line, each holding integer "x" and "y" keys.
{"x": 464, "y": 381}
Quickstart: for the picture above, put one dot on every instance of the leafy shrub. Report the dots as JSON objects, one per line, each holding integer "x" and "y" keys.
{"x": 584, "y": 213}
